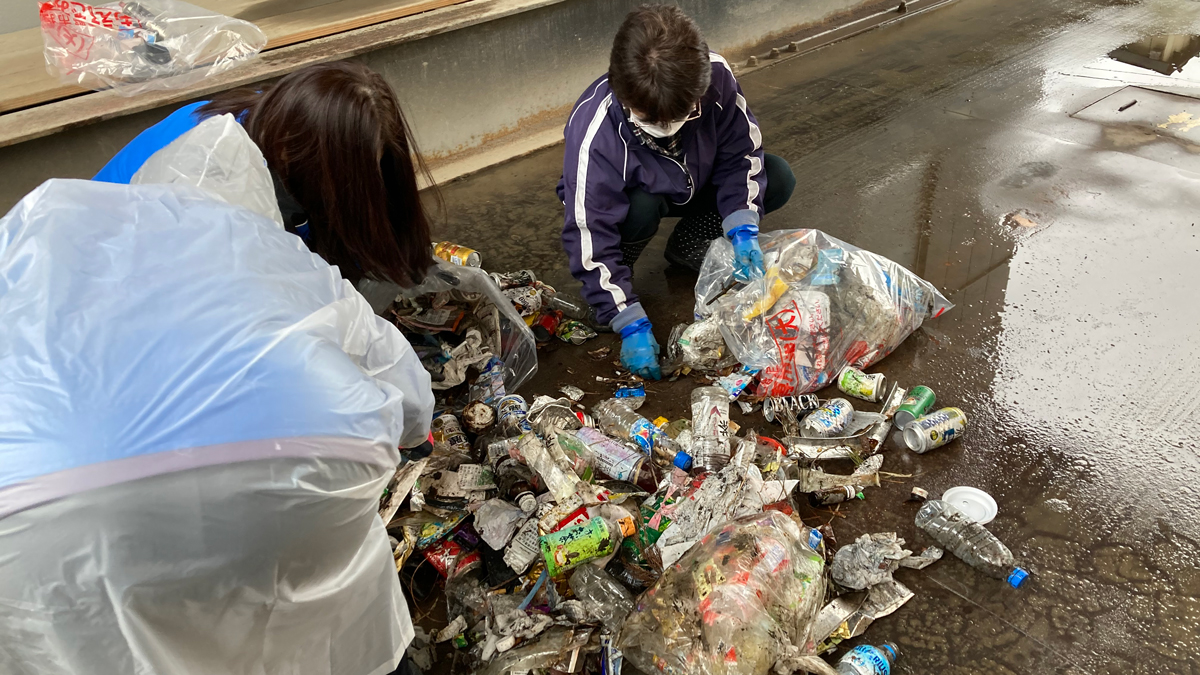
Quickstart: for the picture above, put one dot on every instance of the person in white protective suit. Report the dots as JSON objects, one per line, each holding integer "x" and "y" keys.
{"x": 198, "y": 417}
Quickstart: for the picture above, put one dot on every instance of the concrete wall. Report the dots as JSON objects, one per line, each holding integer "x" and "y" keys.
{"x": 465, "y": 88}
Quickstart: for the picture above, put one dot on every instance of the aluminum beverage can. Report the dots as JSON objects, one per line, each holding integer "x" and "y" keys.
{"x": 572, "y": 546}
{"x": 858, "y": 384}
{"x": 479, "y": 417}
{"x": 830, "y": 419}
{"x": 833, "y": 496}
{"x": 511, "y": 413}
{"x": 447, "y": 427}
{"x": 507, "y": 280}
{"x": 935, "y": 429}
{"x": 918, "y": 402}
{"x": 457, "y": 255}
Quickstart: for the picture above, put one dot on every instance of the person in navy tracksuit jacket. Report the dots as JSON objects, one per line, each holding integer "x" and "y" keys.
{"x": 667, "y": 132}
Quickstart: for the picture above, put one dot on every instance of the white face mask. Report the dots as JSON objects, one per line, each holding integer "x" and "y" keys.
{"x": 656, "y": 130}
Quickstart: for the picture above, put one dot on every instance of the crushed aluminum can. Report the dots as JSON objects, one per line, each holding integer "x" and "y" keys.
{"x": 527, "y": 300}
{"x": 572, "y": 392}
{"x": 507, "y": 280}
{"x": 478, "y": 417}
{"x": 585, "y": 419}
{"x": 833, "y": 496}
{"x": 575, "y": 332}
{"x": 546, "y": 325}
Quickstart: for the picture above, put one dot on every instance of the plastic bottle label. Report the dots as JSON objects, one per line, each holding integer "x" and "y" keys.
{"x": 868, "y": 660}
{"x": 642, "y": 433}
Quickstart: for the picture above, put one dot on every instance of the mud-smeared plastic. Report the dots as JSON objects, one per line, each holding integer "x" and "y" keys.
{"x": 969, "y": 540}
{"x": 868, "y": 660}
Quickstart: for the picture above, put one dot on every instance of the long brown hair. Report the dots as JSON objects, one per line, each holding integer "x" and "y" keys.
{"x": 335, "y": 136}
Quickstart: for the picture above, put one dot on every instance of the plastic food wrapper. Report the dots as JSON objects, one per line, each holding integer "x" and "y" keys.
{"x": 230, "y": 439}
{"x": 497, "y": 521}
{"x": 134, "y": 47}
{"x": 849, "y": 615}
{"x": 218, "y": 157}
{"x": 822, "y": 305}
{"x": 741, "y": 601}
{"x": 449, "y": 288}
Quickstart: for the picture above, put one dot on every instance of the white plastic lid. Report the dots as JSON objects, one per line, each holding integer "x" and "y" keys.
{"x": 973, "y": 502}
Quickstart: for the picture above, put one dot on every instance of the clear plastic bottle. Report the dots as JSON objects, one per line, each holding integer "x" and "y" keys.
{"x": 615, "y": 419}
{"x": 868, "y": 660}
{"x": 574, "y": 307}
{"x": 969, "y": 540}
{"x": 604, "y": 597}
{"x": 710, "y": 427}
{"x": 552, "y": 465}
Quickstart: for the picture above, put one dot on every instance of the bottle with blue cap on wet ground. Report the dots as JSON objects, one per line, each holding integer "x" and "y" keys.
{"x": 869, "y": 660}
{"x": 969, "y": 540}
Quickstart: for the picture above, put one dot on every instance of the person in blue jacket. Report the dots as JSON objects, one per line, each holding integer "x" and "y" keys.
{"x": 343, "y": 160}
{"x": 666, "y": 133}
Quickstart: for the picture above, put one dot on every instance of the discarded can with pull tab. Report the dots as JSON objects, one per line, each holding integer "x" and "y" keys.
{"x": 918, "y": 402}
{"x": 457, "y": 255}
{"x": 858, "y": 384}
{"x": 935, "y": 430}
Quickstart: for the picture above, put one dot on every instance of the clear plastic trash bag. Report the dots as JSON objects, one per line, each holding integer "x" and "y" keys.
{"x": 741, "y": 600}
{"x": 822, "y": 305}
{"x": 219, "y": 157}
{"x": 507, "y": 336}
{"x": 134, "y": 47}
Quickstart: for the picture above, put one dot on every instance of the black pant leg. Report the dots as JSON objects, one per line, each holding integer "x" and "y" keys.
{"x": 645, "y": 213}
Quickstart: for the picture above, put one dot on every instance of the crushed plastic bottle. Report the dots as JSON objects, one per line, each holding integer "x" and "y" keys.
{"x": 710, "y": 427}
{"x": 603, "y": 596}
{"x": 615, "y": 419}
{"x": 868, "y": 660}
{"x": 970, "y": 541}
{"x": 575, "y": 308}
{"x": 551, "y": 464}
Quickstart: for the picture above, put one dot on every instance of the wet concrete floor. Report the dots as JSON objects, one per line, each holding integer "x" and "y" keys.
{"x": 1073, "y": 344}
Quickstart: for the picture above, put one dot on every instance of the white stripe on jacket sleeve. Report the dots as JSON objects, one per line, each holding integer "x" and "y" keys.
{"x": 585, "y": 235}
{"x": 755, "y": 139}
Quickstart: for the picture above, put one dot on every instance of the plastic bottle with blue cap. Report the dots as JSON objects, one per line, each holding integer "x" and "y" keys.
{"x": 970, "y": 541}
{"x": 869, "y": 660}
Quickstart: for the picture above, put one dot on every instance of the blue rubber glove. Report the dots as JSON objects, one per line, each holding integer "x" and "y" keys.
{"x": 639, "y": 350}
{"x": 747, "y": 256}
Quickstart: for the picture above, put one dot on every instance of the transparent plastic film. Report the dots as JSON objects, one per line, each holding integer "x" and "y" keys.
{"x": 134, "y": 47}
{"x": 740, "y": 601}
{"x": 823, "y": 304}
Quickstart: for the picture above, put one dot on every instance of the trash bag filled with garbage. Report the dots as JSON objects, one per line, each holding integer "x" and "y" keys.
{"x": 823, "y": 304}
{"x": 741, "y": 600}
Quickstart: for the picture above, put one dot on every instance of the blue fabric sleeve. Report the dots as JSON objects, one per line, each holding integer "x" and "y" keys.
{"x": 129, "y": 159}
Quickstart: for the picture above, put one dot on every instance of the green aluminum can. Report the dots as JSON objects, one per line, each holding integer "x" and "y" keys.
{"x": 918, "y": 402}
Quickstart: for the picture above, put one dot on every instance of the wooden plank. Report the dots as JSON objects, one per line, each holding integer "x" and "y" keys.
{"x": 43, "y": 120}
{"x": 27, "y": 83}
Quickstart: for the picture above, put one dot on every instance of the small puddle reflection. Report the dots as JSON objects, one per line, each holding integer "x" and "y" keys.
{"x": 1170, "y": 55}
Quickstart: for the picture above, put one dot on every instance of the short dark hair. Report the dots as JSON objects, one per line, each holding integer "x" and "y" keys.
{"x": 335, "y": 136}
{"x": 659, "y": 64}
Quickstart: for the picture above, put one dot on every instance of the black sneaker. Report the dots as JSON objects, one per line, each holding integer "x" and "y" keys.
{"x": 690, "y": 240}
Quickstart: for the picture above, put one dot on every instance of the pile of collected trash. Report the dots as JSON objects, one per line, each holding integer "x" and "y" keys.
{"x": 581, "y": 538}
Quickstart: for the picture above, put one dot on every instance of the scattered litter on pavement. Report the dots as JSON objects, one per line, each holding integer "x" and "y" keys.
{"x": 573, "y": 538}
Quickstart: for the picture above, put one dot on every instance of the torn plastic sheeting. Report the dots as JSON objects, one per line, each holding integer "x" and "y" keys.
{"x": 866, "y": 475}
{"x": 843, "y": 306}
{"x": 870, "y": 560}
{"x": 924, "y": 559}
{"x": 218, "y": 157}
{"x": 558, "y": 648}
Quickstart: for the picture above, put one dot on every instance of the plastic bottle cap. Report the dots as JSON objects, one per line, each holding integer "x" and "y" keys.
{"x": 683, "y": 461}
{"x": 891, "y": 649}
{"x": 1017, "y": 577}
